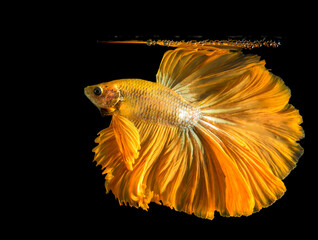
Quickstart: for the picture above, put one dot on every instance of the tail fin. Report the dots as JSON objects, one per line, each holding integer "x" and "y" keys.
{"x": 247, "y": 127}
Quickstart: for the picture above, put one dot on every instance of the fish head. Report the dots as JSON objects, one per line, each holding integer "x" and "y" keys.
{"x": 105, "y": 96}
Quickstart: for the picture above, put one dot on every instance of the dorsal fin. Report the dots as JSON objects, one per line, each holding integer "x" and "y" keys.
{"x": 194, "y": 73}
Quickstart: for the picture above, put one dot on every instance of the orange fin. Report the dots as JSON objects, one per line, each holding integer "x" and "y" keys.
{"x": 238, "y": 199}
{"x": 107, "y": 154}
{"x": 253, "y": 112}
{"x": 248, "y": 115}
{"x": 127, "y": 138}
{"x": 248, "y": 131}
{"x": 196, "y": 74}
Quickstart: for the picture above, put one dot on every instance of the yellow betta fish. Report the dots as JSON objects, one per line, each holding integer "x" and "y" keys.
{"x": 215, "y": 132}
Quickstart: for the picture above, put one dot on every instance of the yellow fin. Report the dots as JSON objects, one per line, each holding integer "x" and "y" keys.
{"x": 127, "y": 137}
{"x": 256, "y": 128}
{"x": 196, "y": 74}
{"x": 261, "y": 120}
{"x": 142, "y": 182}
{"x": 139, "y": 186}
{"x": 239, "y": 199}
{"x": 107, "y": 154}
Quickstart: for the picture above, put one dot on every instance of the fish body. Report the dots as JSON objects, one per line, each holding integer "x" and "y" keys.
{"x": 215, "y": 132}
{"x": 154, "y": 103}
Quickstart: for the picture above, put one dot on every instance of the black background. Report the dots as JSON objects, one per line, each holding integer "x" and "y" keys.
{"x": 82, "y": 203}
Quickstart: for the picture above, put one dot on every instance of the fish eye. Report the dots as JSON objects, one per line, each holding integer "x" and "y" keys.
{"x": 98, "y": 91}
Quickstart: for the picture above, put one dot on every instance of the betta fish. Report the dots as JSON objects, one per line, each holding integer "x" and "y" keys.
{"x": 215, "y": 132}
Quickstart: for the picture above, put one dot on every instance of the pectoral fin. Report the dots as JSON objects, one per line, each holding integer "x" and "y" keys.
{"x": 127, "y": 138}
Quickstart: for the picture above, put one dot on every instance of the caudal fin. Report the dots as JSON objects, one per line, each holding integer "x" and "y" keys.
{"x": 247, "y": 127}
